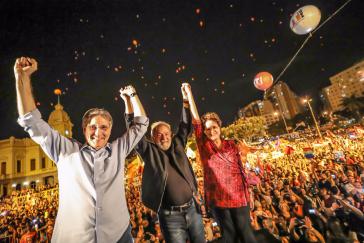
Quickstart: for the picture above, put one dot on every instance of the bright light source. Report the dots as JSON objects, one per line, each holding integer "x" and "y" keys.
{"x": 190, "y": 153}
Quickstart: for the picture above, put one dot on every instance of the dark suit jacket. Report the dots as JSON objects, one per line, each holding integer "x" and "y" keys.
{"x": 154, "y": 173}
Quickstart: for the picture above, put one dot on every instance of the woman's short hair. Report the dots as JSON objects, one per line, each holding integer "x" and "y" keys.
{"x": 211, "y": 116}
{"x": 95, "y": 112}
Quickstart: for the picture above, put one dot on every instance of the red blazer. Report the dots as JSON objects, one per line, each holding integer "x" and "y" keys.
{"x": 225, "y": 181}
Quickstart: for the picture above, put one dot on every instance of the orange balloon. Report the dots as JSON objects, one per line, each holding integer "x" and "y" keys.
{"x": 263, "y": 81}
{"x": 57, "y": 92}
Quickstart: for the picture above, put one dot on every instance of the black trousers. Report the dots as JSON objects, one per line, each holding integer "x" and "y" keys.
{"x": 235, "y": 224}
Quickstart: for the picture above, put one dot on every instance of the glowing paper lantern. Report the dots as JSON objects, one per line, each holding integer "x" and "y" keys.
{"x": 263, "y": 81}
{"x": 57, "y": 92}
{"x": 305, "y": 19}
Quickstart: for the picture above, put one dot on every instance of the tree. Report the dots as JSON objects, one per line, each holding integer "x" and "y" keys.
{"x": 305, "y": 117}
{"x": 353, "y": 105}
{"x": 277, "y": 128}
{"x": 245, "y": 128}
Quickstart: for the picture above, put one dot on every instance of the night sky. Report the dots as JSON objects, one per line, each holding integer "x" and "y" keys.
{"x": 89, "y": 49}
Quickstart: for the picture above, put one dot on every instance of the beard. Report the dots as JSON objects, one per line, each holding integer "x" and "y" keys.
{"x": 164, "y": 146}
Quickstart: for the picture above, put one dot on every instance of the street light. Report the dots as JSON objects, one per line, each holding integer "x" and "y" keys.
{"x": 284, "y": 120}
{"x": 313, "y": 116}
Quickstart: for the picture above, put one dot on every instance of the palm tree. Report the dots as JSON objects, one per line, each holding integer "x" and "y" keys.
{"x": 353, "y": 105}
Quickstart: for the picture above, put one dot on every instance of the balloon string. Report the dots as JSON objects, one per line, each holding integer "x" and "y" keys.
{"x": 305, "y": 41}
{"x": 331, "y": 16}
{"x": 294, "y": 57}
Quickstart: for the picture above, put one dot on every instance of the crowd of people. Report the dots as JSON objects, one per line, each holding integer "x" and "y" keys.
{"x": 295, "y": 197}
{"x": 28, "y": 215}
{"x": 312, "y": 192}
{"x": 288, "y": 189}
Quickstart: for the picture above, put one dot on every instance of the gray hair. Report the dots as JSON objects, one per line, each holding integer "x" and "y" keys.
{"x": 95, "y": 112}
{"x": 155, "y": 125}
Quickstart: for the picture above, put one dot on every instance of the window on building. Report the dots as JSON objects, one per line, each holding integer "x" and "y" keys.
{"x": 32, "y": 164}
{"x": 43, "y": 163}
{"x": 18, "y": 166}
{"x": 3, "y": 168}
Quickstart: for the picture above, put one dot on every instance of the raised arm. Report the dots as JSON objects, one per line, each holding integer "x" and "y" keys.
{"x": 23, "y": 69}
{"x": 185, "y": 125}
{"x": 126, "y": 98}
{"x": 129, "y": 111}
{"x": 187, "y": 95}
{"x": 132, "y": 102}
{"x": 136, "y": 120}
{"x": 52, "y": 143}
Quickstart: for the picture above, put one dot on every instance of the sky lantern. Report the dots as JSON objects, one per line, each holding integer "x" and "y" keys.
{"x": 305, "y": 19}
{"x": 57, "y": 92}
{"x": 263, "y": 81}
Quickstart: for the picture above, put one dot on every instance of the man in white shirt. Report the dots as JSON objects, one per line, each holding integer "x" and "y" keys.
{"x": 92, "y": 203}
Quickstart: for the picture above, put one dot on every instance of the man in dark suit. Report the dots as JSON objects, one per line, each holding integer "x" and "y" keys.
{"x": 168, "y": 183}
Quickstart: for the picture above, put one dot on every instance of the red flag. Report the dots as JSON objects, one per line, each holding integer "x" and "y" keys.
{"x": 289, "y": 150}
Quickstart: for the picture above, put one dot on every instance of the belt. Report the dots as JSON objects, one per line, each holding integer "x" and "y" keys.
{"x": 180, "y": 208}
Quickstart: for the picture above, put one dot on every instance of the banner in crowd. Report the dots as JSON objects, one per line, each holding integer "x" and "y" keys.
{"x": 308, "y": 152}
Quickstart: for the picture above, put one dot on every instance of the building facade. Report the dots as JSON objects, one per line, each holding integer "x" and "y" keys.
{"x": 344, "y": 84}
{"x": 263, "y": 108}
{"x": 22, "y": 161}
{"x": 285, "y": 100}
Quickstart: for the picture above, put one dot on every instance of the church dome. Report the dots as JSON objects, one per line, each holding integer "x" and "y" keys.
{"x": 60, "y": 121}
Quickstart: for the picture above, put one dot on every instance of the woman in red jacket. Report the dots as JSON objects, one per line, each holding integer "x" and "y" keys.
{"x": 226, "y": 187}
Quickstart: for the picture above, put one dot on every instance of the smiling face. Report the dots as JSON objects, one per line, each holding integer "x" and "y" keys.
{"x": 212, "y": 130}
{"x": 162, "y": 136}
{"x": 97, "y": 132}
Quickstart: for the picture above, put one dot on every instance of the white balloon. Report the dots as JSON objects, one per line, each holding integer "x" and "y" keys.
{"x": 305, "y": 19}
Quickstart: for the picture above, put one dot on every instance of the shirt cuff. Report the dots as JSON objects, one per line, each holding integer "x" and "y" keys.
{"x": 196, "y": 122}
{"x": 141, "y": 120}
{"x": 129, "y": 117}
{"x": 29, "y": 118}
